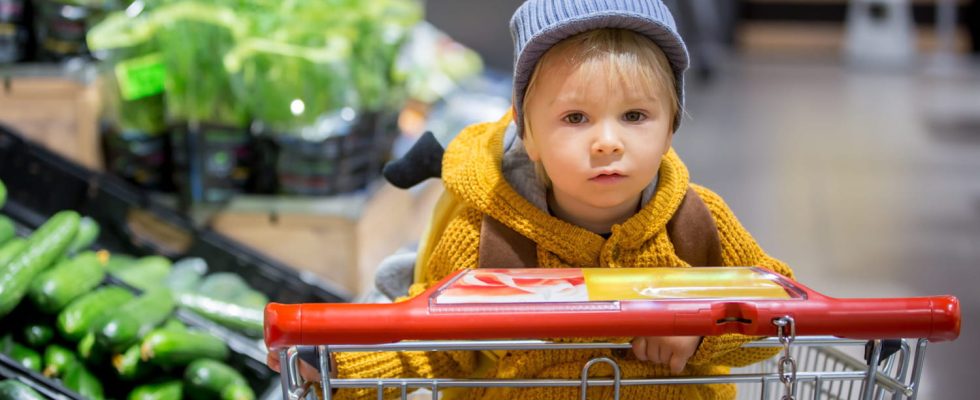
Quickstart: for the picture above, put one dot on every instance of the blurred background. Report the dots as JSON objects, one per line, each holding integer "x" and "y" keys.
{"x": 845, "y": 135}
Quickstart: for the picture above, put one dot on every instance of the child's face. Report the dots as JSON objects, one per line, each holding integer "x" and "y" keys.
{"x": 599, "y": 138}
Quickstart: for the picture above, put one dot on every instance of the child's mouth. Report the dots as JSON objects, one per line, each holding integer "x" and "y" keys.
{"x": 607, "y": 178}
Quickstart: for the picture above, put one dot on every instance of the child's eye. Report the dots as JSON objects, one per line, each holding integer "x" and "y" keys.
{"x": 574, "y": 118}
{"x": 634, "y": 116}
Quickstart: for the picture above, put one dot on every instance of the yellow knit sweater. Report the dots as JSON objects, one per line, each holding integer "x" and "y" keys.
{"x": 471, "y": 173}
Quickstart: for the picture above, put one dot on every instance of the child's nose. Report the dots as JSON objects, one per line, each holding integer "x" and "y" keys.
{"x": 607, "y": 141}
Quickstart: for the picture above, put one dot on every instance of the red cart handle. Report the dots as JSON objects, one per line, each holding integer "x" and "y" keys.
{"x": 936, "y": 318}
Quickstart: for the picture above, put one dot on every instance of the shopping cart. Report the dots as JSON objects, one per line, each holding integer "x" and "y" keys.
{"x": 557, "y": 303}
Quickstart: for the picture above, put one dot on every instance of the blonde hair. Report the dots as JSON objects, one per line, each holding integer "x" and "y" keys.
{"x": 626, "y": 53}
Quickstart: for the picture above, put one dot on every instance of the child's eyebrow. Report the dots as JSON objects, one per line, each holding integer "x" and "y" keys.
{"x": 573, "y": 98}
{"x": 646, "y": 96}
{"x": 578, "y": 97}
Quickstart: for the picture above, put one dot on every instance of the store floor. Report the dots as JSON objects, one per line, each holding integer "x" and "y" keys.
{"x": 866, "y": 183}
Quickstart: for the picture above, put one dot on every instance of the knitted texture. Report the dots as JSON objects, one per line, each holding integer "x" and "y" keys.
{"x": 471, "y": 172}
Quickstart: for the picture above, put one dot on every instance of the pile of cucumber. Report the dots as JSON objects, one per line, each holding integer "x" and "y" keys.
{"x": 61, "y": 316}
{"x": 222, "y": 297}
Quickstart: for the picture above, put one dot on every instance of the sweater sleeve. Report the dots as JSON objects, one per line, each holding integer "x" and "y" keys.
{"x": 457, "y": 249}
{"x": 738, "y": 248}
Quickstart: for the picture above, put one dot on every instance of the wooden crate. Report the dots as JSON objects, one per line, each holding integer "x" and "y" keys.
{"x": 341, "y": 238}
{"x": 59, "y": 113}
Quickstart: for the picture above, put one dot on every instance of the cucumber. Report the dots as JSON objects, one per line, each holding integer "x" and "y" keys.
{"x": 186, "y": 274}
{"x": 146, "y": 273}
{"x": 170, "y": 347}
{"x": 53, "y": 289}
{"x": 209, "y": 379}
{"x": 37, "y": 335}
{"x": 135, "y": 319}
{"x": 224, "y": 286}
{"x": 11, "y": 389}
{"x": 247, "y": 320}
{"x": 10, "y": 249}
{"x": 88, "y": 232}
{"x": 3, "y": 194}
{"x": 81, "y": 381}
{"x": 82, "y": 314}
{"x": 7, "y": 229}
{"x": 45, "y": 245}
{"x": 57, "y": 361}
{"x": 22, "y": 355}
{"x": 237, "y": 392}
{"x": 174, "y": 324}
{"x": 252, "y": 298}
{"x": 171, "y": 390}
{"x": 89, "y": 350}
{"x": 119, "y": 262}
{"x": 129, "y": 366}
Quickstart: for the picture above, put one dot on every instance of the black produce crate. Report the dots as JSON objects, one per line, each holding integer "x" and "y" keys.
{"x": 242, "y": 357}
{"x": 40, "y": 183}
{"x": 138, "y": 157}
{"x": 245, "y": 355}
{"x": 14, "y": 30}
{"x": 345, "y": 162}
{"x": 341, "y": 163}
{"x": 211, "y": 163}
{"x": 48, "y": 388}
{"x": 260, "y": 378}
{"x": 61, "y": 28}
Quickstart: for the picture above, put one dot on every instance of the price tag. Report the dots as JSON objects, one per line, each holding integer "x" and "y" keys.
{"x": 141, "y": 77}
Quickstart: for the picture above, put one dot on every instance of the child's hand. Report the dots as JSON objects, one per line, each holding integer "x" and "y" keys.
{"x": 307, "y": 371}
{"x": 668, "y": 350}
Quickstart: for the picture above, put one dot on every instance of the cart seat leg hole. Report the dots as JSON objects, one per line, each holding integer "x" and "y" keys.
{"x": 728, "y": 320}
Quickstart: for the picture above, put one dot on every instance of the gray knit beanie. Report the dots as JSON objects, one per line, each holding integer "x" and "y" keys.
{"x": 537, "y": 25}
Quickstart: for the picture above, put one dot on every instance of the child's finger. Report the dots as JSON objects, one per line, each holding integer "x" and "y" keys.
{"x": 653, "y": 351}
{"x": 665, "y": 353}
{"x": 677, "y": 363}
{"x": 272, "y": 360}
{"x": 640, "y": 348}
{"x": 308, "y": 373}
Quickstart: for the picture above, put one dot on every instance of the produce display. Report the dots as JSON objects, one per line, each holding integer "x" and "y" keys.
{"x": 211, "y": 98}
{"x": 107, "y": 326}
{"x": 226, "y": 62}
